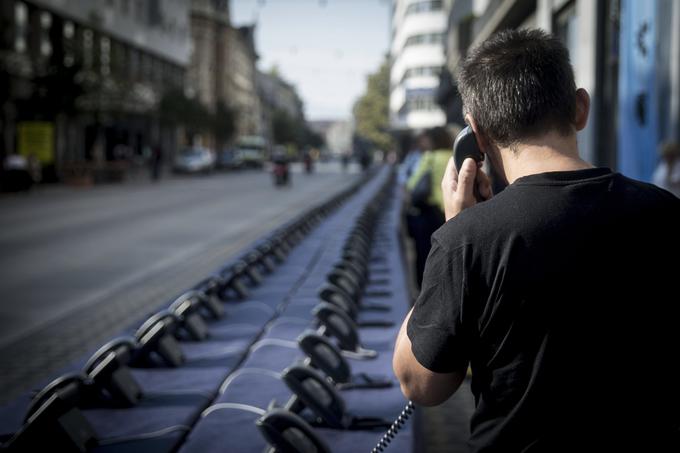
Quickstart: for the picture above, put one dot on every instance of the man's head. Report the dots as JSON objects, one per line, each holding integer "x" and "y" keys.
{"x": 423, "y": 142}
{"x": 519, "y": 85}
{"x": 439, "y": 138}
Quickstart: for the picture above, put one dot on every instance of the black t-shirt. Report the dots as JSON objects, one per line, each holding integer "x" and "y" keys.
{"x": 562, "y": 293}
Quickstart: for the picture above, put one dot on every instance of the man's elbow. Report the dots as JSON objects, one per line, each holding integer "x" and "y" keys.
{"x": 425, "y": 389}
{"x": 420, "y": 396}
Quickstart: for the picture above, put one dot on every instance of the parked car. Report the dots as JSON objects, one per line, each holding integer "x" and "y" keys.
{"x": 229, "y": 158}
{"x": 194, "y": 160}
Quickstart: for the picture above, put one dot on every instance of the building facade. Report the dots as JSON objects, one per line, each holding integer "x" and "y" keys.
{"x": 208, "y": 74}
{"x": 243, "y": 81}
{"x": 626, "y": 53}
{"x": 89, "y": 74}
{"x": 207, "y": 79}
{"x": 418, "y": 30}
{"x": 277, "y": 95}
{"x": 339, "y": 136}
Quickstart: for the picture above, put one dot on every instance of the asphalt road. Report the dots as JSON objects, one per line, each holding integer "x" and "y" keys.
{"x": 79, "y": 264}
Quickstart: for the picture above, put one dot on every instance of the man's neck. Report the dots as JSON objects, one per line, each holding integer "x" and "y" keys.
{"x": 551, "y": 152}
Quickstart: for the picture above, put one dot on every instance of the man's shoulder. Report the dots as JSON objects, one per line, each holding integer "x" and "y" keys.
{"x": 478, "y": 223}
{"x": 647, "y": 190}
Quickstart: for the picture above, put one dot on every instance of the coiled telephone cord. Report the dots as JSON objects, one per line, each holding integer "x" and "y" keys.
{"x": 394, "y": 429}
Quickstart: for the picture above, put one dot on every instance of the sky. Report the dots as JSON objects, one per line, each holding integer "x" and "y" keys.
{"x": 326, "y": 48}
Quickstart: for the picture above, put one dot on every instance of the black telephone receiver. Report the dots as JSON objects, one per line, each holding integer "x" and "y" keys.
{"x": 317, "y": 394}
{"x": 326, "y": 356}
{"x": 287, "y": 432}
{"x": 466, "y": 146}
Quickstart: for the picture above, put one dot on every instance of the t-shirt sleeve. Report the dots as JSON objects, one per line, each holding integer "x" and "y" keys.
{"x": 436, "y": 330}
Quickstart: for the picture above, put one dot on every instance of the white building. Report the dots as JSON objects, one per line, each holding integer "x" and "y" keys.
{"x": 339, "y": 137}
{"x": 417, "y": 56}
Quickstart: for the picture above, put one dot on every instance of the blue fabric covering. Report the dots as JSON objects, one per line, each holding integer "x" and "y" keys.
{"x": 153, "y": 413}
{"x": 273, "y": 357}
{"x": 157, "y": 444}
{"x": 187, "y": 378}
{"x": 251, "y": 387}
{"x": 280, "y": 308}
{"x": 226, "y": 430}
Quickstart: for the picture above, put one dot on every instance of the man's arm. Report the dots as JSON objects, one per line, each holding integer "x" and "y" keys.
{"x": 420, "y": 385}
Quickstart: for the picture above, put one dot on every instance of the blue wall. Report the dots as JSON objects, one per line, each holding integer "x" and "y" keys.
{"x": 638, "y": 131}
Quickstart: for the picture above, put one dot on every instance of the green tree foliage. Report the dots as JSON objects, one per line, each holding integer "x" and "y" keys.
{"x": 371, "y": 111}
{"x": 314, "y": 139}
{"x": 289, "y": 130}
{"x": 285, "y": 128}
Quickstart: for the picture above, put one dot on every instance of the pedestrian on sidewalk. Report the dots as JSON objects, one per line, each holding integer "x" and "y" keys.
{"x": 667, "y": 173}
{"x": 412, "y": 158}
{"x": 156, "y": 162}
{"x": 554, "y": 291}
{"x": 425, "y": 214}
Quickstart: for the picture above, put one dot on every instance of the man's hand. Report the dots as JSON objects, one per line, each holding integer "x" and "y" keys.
{"x": 459, "y": 190}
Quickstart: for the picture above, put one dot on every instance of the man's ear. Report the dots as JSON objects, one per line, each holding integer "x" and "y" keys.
{"x": 582, "y": 109}
{"x": 482, "y": 141}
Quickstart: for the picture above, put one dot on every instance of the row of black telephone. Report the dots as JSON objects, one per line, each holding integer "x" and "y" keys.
{"x": 316, "y": 383}
{"x": 54, "y": 419}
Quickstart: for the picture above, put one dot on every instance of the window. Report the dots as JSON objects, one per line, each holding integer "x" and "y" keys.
{"x": 133, "y": 57}
{"x": 423, "y": 7}
{"x": 88, "y": 43}
{"x": 146, "y": 67}
{"x": 179, "y": 77}
{"x": 430, "y": 38}
{"x": 118, "y": 59}
{"x": 422, "y": 71}
{"x": 68, "y": 32}
{"x": 566, "y": 28}
{"x": 422, "y": 104}
{"x": 157, "y": 71}
{"x": 45, "y": 25}
{"x": 105, "y": 56}
{"x": 21, "y": 25}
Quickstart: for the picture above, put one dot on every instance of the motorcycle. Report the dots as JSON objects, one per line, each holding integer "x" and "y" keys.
{"x": 281, "y": 172}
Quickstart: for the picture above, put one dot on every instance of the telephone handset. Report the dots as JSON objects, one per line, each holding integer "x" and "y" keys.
{"x": 326, "y": 356}
{"x": 466, "y": 146}
{"x": 316, "y": 392}
{"x": 338, "y": 324}
{"x": 287, "y": 432}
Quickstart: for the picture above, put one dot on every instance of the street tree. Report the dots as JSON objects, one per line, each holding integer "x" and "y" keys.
{"x": 371, "y": 111}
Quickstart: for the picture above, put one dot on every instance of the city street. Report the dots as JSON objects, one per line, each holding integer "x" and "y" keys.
{"x": 80, "y": 264}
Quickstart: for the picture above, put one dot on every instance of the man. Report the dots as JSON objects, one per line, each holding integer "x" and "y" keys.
{"x": 555, "y": 292}
{"x": 426, "y": 196}
{"x": 410, "y": 163}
